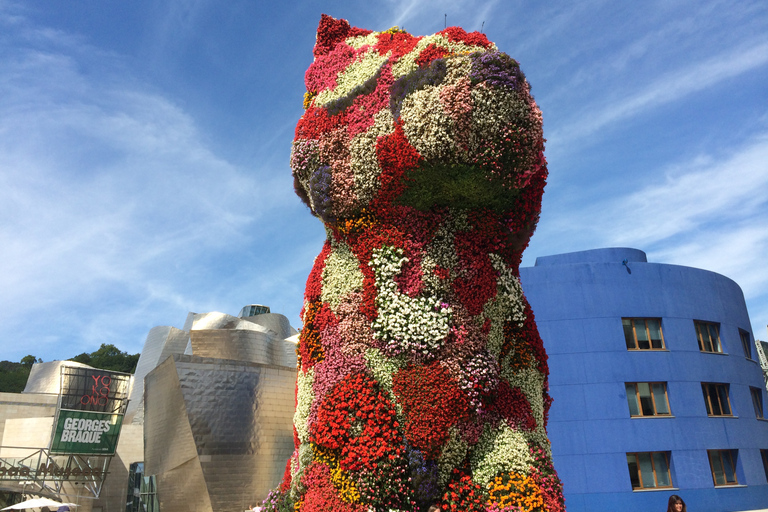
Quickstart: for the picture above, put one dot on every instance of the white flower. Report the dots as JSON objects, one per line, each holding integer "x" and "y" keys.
{"x": 404, "y": 323}
{"x": 499, "y": 449}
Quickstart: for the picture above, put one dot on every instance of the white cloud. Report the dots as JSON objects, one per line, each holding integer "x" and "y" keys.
{"x": 708, "y": 212}
{"x": 109, "y": 199}
{"x": 433, "y": 15}
{"x": 668, "y": 88}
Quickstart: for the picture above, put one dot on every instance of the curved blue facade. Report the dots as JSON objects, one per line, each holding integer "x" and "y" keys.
{"x": 611, "y": 451}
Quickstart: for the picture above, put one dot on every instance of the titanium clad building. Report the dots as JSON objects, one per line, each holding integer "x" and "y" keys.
{"x": 217, "y": 410}
{"x": 656, "y": 385}
{"x": 208, "y": 427}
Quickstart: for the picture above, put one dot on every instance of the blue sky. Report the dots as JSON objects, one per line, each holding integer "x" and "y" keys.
{"x": 144, "y": 149}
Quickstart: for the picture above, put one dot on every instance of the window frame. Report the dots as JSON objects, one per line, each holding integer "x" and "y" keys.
{"x": 711, "y": 454}
{"x": 655, "y": 414}
{"x": 746, "y": 343}
{"x": 764, "y": 456}
{"x": 639, "y": 473}
{"x": 757, "y": 402}
{"x": 698, "y": 325}
{"x": 636, "y": 341}
{"x": 707, "y": 399}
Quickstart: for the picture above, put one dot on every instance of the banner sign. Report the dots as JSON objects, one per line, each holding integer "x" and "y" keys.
{"x": 89, "y": 389}
{"x": 89, "y": 433}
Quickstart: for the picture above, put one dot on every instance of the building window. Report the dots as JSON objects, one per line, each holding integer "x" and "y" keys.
{"x": 647, "y": 399}
{"x": 722, "y": 464}
{"x": 746, "y": 343}
{"x": 148, "y": 494}
{"x": 643, "y": 333}
{"x": 649, "y": 470}
{"x": 716, "y": 398}
{"x": 757, "y": 401}
{"x": 709, "y": 336}
{"x": 764, "y": 455}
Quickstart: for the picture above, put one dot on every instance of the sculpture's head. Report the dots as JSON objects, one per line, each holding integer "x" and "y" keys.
{"x": 425, "y": 122}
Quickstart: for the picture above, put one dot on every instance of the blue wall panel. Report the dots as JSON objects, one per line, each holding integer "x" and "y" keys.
{"x": 579, "y": 300}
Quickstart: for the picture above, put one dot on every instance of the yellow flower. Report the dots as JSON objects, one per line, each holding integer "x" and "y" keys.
{"x": 308, "y": 97}
{"x": 515, "y": 489}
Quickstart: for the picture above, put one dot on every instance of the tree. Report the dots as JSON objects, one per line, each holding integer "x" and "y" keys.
{"x": 13, "y": 376}
{"x": 109, "y": 357}
{"x": 28, "y": 361}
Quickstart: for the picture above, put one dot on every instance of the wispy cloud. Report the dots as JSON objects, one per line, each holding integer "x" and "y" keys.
{"x": 709, "y": 212}
{"x": 433, "y": 15}
{"x": 109, "y": 193}
{"x": 668, "y": 88}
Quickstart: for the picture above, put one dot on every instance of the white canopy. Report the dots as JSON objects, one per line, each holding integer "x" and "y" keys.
{"x": 38, "y": 503}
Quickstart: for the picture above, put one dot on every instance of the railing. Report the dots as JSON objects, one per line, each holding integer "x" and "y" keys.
{"x": 761, "y": 357}
{"x": 37, "y": 471}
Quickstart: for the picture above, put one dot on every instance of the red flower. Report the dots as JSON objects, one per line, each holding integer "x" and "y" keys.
{"x": 399, "y": 43}
{"x": 458, "y": 34}
{"x": 512, "y": 405}
{"x": 432, "y": 402}
{"x": 331, "y": 31}
{"x": 430, "y": 53}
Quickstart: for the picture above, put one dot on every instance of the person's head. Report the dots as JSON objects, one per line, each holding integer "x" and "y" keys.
{"x": 434, "y": 508}
{"x": 676, "y": 504}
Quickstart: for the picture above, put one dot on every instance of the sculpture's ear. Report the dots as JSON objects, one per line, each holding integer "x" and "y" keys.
{"x": 331, "y": 31}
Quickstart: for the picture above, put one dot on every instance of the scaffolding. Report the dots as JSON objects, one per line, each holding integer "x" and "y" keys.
{"x": 762, "y": 348}
{"x": 76, "y": 461}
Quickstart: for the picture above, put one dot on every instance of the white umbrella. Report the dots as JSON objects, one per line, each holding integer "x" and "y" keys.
{"x": 38, "y": 503}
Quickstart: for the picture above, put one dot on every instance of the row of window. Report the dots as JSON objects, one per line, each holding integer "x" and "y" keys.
{"x": 650, "y": 470}
{"x": 645, "y": 334}
{"x": 651, "y": 399}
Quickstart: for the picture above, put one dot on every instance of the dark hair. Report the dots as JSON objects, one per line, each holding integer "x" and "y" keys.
{"x": 674, "y": 500}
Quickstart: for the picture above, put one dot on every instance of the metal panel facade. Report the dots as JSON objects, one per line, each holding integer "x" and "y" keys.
{"x": 230, "y": 423}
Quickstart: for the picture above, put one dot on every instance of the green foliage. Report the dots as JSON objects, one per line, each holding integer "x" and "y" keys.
{"x": 29, "y": 360}
{"x": 109, "y": 357}
{"x": 455, "y": 186}
{"x": 13, "y": 376}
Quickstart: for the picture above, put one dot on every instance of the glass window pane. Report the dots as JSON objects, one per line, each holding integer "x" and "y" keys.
{"x": 757, "y": 401}
{"x": 764, "y": 454}
{"x": 642, "y": 335}
{"x": 634, "y": 408}
{"x": 717, "y": 467}
{"x": 646, "y": 402}
{"x": 654, "y": 328}
{"x": 722, "y": 392}
{"x": 634, "y": 476}
{"x": 660, "y": 398}
{"x": 715, "y": 335}
{"x": 646, "y": 470}
{"x": 714, "y": 403}
{"x": 745, "y": 342}
{"x": 707, "y": 399}
{"x": 730, "y": 473}
{"x": 629, "y": 334}
{"x": 662, "y": 469}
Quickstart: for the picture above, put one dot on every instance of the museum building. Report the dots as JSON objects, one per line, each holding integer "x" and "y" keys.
{"x": 656, "y": 383}
{"x": 653, "y": 370}
{"x": 207, "y": 428}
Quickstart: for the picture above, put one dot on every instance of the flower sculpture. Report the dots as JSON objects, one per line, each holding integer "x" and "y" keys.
{"x": 422, "y": 378}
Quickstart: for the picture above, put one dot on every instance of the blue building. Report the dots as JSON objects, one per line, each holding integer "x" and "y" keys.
{"x": 656, "y": 385}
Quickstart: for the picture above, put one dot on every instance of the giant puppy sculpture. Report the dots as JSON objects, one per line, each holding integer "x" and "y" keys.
{"x": 422, "y": 378}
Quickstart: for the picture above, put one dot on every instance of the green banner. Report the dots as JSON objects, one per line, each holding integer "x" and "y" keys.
{"x": 90, "y": 433}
